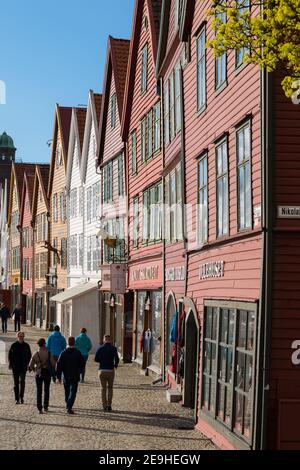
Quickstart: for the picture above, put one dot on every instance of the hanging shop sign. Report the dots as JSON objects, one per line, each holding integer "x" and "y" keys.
{"x": 118, "y": 278}
{"x": 175, "y": 273}
{"x": 213, "y": 269}
{"x": 288, "y": 212}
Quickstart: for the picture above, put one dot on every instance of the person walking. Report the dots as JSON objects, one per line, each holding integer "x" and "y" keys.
{"x": 108, "y": 359}
{"x": 70, "y": 363}
{"x": 19, "y": 357}
{"x": 40, "y": 364}
{"x": 17, "y": 316}
{"x": 84, "y": 344}
{"x": 5, "y": 314}
{"x": 55, "y": 344}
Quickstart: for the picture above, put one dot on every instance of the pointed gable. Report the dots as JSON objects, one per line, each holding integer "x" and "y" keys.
{"x": 115, "y": 76}
{"x": 154, "y": 17}
{"x": 91, "y": 125}
{"x": 62, "y": 124}
{"x": 40, "y": 184}
{"x": 16, "y": 185}
{"x": 75, "y": 141}
{"x": 28, "y": 186}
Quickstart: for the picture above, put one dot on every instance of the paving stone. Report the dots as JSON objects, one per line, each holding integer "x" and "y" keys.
{"x": 141, "y": 419}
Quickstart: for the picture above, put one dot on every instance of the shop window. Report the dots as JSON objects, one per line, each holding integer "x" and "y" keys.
{"x": 228, "y": 365}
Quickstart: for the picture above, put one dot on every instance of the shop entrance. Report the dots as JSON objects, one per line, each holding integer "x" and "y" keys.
{"x": 191, "y": 360}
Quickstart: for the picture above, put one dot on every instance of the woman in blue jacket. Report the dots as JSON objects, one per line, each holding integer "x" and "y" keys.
{"x": 84, "y": 344}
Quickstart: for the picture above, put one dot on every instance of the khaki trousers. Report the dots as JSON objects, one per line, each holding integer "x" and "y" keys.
{"x": 107, "y": 382}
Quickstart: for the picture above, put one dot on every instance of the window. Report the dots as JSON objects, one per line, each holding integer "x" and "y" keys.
{"x": 243, "y": 7}
{"x": 121, "y": 175}
{"x": 152, "y": 217}
{"x": 150, "y": 134}
{"x": 81, "y": 202}
{"x": 133, "y": 154}
{"x": 222, "y": 188}
{"x": 55, "y": 208}
{"x": 228, "y": 364}
{"x": 201, "y": 70}
{"x": 55, "y": 256}
{"x": 167, "y": 113}
{"x": 177, "y": 98}
{"x": 221, "y": 61}
{"x": 89, "y": 204}
{"x": 113, "y": 110}
{"x": 73, "y": 203}
{"x": 43, "y": 265}
{"x": 178, "y": 12}
{"x": 63, "y": 208}
{"x": 135, "y": 237}
{"x": 202, "y": 200}
{"x": 173, "y": 206}
{"x": 143, "y": 139}
{"x": 81, "y": 249}
{"x": 26, "y": 269}
{"x": 144, "y": 70}
{"x": 64, "y": 253}
{"x": 115, "y": 228}
{"x": 172, "y": 105}
{"x": 73, "y": 251}
{"x": 58, "y": 154}
{"x": 25, "y": 237}
{"x": 108, "y": 182}
{"x": 96, "y": 253}
{"x": 96, "y": 188}
{"x": 157, "y": 127}
{"x": 89, "y": 254}
{"x": 244, "y": 177}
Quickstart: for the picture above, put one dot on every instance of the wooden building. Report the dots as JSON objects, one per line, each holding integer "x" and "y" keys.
{"x": 41, "y": 253}
{"x": 116, "y": 307}
{"x": 56, "y": 193}
{"x": 26, "y": 230}
{"x": 141, "y": 129}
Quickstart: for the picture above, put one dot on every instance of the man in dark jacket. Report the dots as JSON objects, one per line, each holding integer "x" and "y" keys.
{"x": 71, "y": 364}
{"x": 108, "y": 358}
{"x": 4, "y": 314}
{"x": 17, "y": 316}
{"x": 19, "y": 357}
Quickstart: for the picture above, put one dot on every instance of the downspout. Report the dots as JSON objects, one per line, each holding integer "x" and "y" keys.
{"x": 183, "y": 183}
{"x": 100, "y": 294}
{"x": 265, "y": 307}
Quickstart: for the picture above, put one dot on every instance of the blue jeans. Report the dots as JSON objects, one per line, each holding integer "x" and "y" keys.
{"x": 70, "y": 392}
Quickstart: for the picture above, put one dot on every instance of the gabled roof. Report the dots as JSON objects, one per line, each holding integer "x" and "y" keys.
{"x": 184, "y": 30}
{"x": 17, "y": 177}
{"x": 28, "y": 187}
{"x": 154, "y": 8}
{"x": 41, "y": 180}
{"x": 116, "y": 65}
{"x": 92, "y": 116}
{"x": 76, "y": 136}
{"x": 62, "y": 122}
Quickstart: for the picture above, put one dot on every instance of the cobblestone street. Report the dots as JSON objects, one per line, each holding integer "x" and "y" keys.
{"x": 142, "y": 419}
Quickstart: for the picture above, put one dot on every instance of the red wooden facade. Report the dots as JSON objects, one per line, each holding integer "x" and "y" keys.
{"x": 144, "y": 166}
{"x": 27, "y": 244}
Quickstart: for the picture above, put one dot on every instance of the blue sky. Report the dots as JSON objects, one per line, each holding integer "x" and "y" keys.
{"x": 53, "y": 52}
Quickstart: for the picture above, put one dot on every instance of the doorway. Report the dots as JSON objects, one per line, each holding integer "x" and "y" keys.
{"x": 191, "y": 361}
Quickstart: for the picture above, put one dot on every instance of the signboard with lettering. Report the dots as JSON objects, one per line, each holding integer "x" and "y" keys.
{"x": 145, "y": 275}
{"x": 288, "y": 212}
{"x": 213, "y": 269}
{"x": 175, "y": 273}
{"x": 118, "y": 278}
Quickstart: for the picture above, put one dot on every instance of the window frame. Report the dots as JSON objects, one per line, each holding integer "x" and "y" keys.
{"x": 222, "y": 84}
{"x": 205, "y": 187}
{"x": 201, "y": 60}
{"x": 133, "y": 140}
{"x": 220, "y": 143}
{"x": 144, "y": 69}
{"x": 113, "y": 111}
{"x": 239, "y": 128}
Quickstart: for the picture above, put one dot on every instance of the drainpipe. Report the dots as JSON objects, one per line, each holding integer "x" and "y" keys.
{"x": 265, "y": 307}
{"x": 165, "y": 339}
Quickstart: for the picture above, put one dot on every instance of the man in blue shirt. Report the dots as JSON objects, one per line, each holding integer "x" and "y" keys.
{"x": 56, "y": 344}
{"x": 108, "y": 359}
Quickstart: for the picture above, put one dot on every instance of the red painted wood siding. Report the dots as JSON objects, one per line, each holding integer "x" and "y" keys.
{"x": 150, "y": 172}
{"x": 285, "y": 378}
{"x": 223, "y": 112}
{"x": 28, "y": 252}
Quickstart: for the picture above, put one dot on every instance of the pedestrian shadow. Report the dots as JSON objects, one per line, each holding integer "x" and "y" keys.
{"x": 105, "y": 431}
{"x": 160, "y": 420}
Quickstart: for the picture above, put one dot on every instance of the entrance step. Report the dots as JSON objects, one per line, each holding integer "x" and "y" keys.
{"x": 173, "y": 396}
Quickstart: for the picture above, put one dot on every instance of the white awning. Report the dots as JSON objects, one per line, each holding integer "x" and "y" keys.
{"x": 76, "y": 291}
